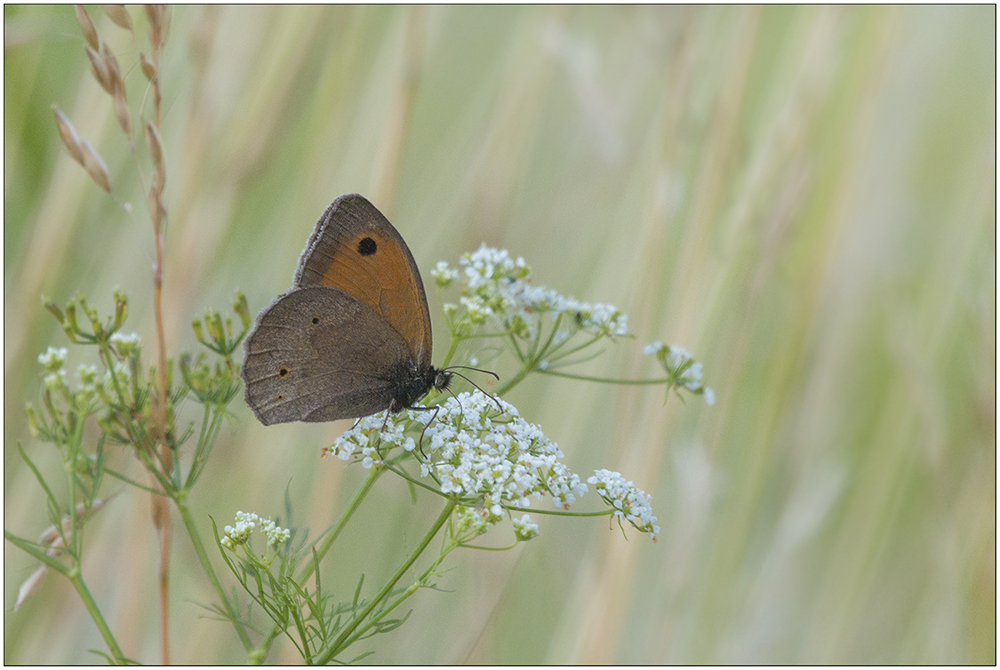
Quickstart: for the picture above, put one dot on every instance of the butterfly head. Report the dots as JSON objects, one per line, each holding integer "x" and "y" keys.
{"x": 416, "y": 385}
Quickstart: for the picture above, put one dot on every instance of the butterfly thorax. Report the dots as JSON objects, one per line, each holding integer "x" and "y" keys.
{"x": 416, "y": 384}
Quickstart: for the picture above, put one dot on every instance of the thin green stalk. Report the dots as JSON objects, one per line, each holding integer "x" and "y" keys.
{"x": 530, "y": 361}
{"x": 206, "y": 565}
{"x": 515, "y": 380}
{"x": 211, "y": 425}
{"x": 516, "y": 347}
{"x": 415, "y": 482}
{"x": 605, "y": 380}
{"x": 403, "y": 596}
{"x": 570, "y": 352}
{"x": 38, "y": 476}
{"x": 32, "y": 549}
{"x": 536, "y": 355}
{"x": 131, "y": 482}
{"x": 73, "y": 448}
{"x": 259, "y": 654}
{"x": 463, "y": 545}
{"x": 555, "y": 512}
{"x": 95, "y": 614}
{"x": 451, "y": 352}
{"x": 339, "y": 643}
{"x": 201, "y": 441}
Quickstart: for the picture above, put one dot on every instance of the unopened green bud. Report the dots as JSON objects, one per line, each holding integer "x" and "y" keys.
{"x": 29, "y": 409}
{"x": 91, "y": 313}
{"x": 102, "y": 392}
{"x": 241, "y": 309}
{"x": 198, "y": 333}
{"x": 52, "y": 307}
{"x": 213, "y": 324}
{"x": 121, "y": 308}
{"x": 70, "y": 325}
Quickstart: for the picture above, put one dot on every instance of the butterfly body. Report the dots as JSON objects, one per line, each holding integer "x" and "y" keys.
{"x": 352, "y": 337}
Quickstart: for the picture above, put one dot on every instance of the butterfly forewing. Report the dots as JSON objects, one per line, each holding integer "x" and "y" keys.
{"x": 355, "y": 249}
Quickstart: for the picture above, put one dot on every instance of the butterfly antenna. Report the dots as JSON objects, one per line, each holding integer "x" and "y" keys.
{"x": 466, "y": 367}
{"x": 486, "y": 393}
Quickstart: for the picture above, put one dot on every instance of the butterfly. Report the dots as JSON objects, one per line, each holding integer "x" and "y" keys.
{"x": 353, "y": 335}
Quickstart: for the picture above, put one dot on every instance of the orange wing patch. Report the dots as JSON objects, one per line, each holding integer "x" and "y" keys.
{"x": 355, "y": 249}
{"x": 373, "y": 269}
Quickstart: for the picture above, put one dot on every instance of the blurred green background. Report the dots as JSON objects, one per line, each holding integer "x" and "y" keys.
{"x": 803, "y": 197}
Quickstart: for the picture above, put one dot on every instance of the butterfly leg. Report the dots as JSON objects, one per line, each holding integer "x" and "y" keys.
{"x": 420, "y": 443}
{"x": 379, "y": 443}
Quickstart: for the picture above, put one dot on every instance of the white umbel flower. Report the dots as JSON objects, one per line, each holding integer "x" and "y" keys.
{"x": 630, "y": 503}
{"x": 475, "y": 451}
{"x": 53, "y": 359}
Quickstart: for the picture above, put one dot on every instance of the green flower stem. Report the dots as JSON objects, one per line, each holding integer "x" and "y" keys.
{"x": 605, "y": 380}
{"x": 259, "y": 655}
{"x": 539, "y": 355}
{"x": 95, "y": 613}
{"x": 529, "y": 361}
{"x": 69, "y": 464}
{"x": 31, "y": 548}
{"x": 74, "y": 576}
{"x": 570, "y": 352}
{"x": 206, "y": 565}
{"x": 451, "y": 352}
{"x": 516, "y": 379}
{"x": 553, "y": 512}
{"x": 463, "y": 545}
{"x": 131, "y": 482}
{"x": 416, "y": 482}
{"x": 339, "y": 643}
{"x": 420, "y": 581}
{"x": 38, "y": 475}
{"x": 211, "y": 424}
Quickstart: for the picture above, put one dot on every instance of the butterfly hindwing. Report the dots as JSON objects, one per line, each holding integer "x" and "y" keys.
{"x": 319, "y": 354}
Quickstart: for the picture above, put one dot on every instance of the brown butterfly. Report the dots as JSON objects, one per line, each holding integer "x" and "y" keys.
{"x": 353, "y": 335}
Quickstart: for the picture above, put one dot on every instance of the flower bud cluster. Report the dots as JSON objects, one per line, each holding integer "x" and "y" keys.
{"x": 246, "y": 522}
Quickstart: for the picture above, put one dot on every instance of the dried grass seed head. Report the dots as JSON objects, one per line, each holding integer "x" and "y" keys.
{"x": 122, "y": 111}
{"x": 99, "y": 68}
{"x": 69, "y": 137}
{"x": 96, "y": 168}
{"x": 148, "y": 69}
{"x": 114, "y": 71}
{"x": 119, "y": 15}
{"x": 87, "y": 27}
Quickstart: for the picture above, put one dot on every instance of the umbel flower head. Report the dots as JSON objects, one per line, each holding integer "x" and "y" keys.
{"x": 496, "y": 291}
{"x": 631, "y": 503}
{"x": 683, "y": 370}
{"x": 53, "y": 359}
{"x": 478, "y": 448}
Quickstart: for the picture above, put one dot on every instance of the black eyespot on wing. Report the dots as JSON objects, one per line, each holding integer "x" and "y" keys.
{"x": 367, "y": 246}
{"x": 315, "y": 320}
{"x": 280, "y": 396}
{"x": 283, "y": 371}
